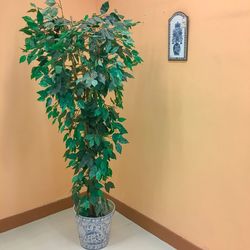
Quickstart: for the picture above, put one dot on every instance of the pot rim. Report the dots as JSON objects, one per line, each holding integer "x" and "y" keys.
{"x": 100, "y": 217}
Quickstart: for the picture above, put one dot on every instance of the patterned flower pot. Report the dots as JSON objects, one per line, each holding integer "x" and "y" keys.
{"x": 94, "y": 232}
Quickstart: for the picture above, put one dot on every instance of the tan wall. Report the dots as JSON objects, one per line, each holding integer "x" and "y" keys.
{"x": 32, "y": 171}
{"x": 188, "y": 162}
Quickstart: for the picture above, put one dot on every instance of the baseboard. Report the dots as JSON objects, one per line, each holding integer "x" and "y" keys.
{"x": 145, "y": 222}
{"x": 34, "y": 214}
{"x": 153, "y": 227}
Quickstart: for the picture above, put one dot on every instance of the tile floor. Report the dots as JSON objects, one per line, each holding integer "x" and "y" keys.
{"x": 58, "y": 232}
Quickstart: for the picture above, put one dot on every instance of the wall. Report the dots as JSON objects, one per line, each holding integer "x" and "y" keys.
{"x": 188, "y": 162}
{"x": 32, "y": 170}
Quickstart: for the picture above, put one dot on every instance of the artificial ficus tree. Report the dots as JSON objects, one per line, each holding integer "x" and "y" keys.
{"x": 81, "y": 67}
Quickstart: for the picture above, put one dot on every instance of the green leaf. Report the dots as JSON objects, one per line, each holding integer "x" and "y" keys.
{"x": 98, "y": 175}
{"x": 75, "y": 179}
{"x": 79, "y": 80}
{"x": 98, "y": 112}
{"x": 31, "y": 57}
{"x": 110, "y": 173}
{"x": 22, "y": 59}
{"x": 114, "y": 50}
{"x": 71, "y": 156}
{"x": 36, "y": 73}
{"x": 81, "y": 104}
{"x": 28, "y": 19}
{"x": 123, "y": 140}
{"x": 121, "y": 128}
{"x": 118, "y": 148}
{"x": 92, "y": 172}
{"x": 71, "y": 163}
{"x": 43, "y": 94}
{"x": 70, "y": 144}
{"x": 50, "y": 2}
{"x": 102, "y": 78}
{"x": 48, "y": 101}
{"x": 65, "y": 137}
{"x": 109, "y": 185}
{"x": 98, "y": 185}
{"x": 108, "y": 47}
{"x": 43, "y": 83}
{"x": 94, "y": 83}
{"x": 108, "y": 34}
{"x": 54, "y": 12}
{"x": 89, "y": 137}
{"x": 105, "y": 7}
{"x": 26, "y": 30}
{"x": 97, "y": 140}
{"x": 39, "y": 17}
{"x": 48, "y": 109}
{"x": 58, "y": 69}
{"x": 85, "y": 204}
{"x": 121, "y": 119}
{"x": 99, "y": 62}
{"x": 91, "y": 143}
{"x": 115, "y": 137}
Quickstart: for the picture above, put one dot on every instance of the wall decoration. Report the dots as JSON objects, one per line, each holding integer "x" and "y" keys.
{"x": 178, "y": 37}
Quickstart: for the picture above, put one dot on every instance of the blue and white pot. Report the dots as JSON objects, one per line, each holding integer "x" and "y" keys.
{"x": 94, "y": 232}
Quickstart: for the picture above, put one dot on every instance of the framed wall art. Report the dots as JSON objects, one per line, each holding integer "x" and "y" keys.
{"x": 178, "y": 37}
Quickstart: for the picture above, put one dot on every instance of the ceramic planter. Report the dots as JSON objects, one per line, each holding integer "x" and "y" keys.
{"x": 94, "y": 232}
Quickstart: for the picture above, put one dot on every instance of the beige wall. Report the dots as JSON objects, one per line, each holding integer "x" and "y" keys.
{"x": 188, "y": 162}
{"x": 32, "y": 171}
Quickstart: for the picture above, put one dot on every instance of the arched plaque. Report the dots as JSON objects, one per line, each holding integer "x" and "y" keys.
{"x": 178, "y": 37}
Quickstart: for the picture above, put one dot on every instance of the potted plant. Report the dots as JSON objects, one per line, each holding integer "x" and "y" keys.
{"x": 81, "y": 67}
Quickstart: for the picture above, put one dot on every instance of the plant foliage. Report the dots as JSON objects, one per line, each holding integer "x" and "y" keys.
{"x": 81, "y": 67}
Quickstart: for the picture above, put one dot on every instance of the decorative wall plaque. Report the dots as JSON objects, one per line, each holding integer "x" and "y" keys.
{"x": 178, "y": 37}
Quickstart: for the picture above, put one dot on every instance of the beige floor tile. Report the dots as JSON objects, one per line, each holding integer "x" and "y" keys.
{"x": 58, "y": 232}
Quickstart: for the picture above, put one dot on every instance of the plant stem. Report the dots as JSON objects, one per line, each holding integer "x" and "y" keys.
{"x": 91, "y": 208}
{"x": 61, "y": 7}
